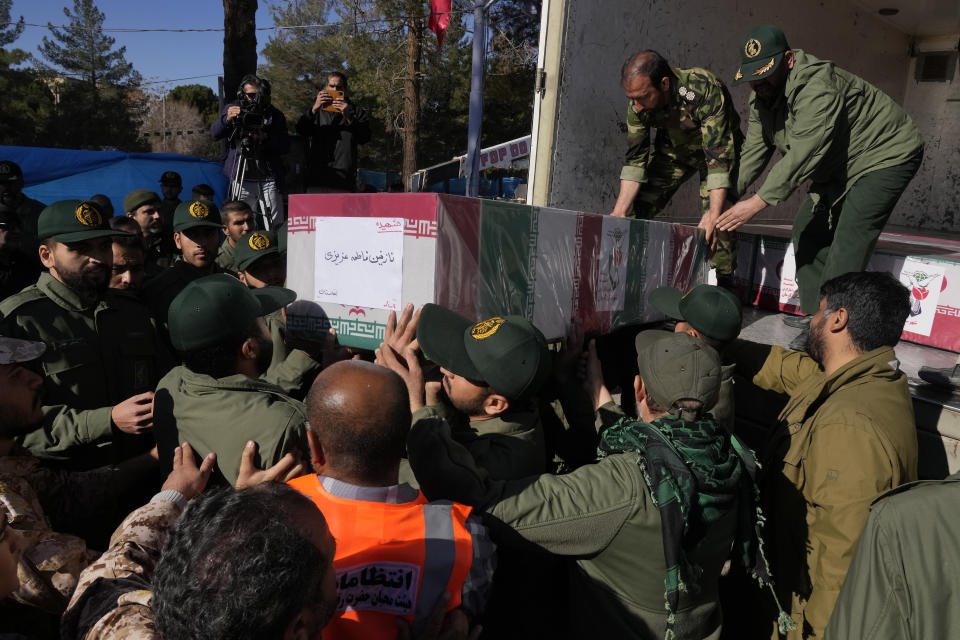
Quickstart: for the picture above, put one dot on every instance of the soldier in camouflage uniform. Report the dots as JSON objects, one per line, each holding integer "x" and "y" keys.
{"x": 43, "y": 504}
{"x": 689, "y": 119}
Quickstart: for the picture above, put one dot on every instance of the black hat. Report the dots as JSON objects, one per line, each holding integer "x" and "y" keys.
{"x": 10, "y": 171}
{"x": 172, "y": 178}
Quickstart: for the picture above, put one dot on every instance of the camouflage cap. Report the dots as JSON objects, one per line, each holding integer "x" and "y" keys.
{"x": 10, "y": 171}
{"x": 171, "y": 177}
{"x": 507, "y": 353}
{"x": 217, "y": 308}
{"x": 14, "y": 350}
{"x": 761, "y": 51}
{"x": 196, "y": 213}
{"x": 711, "y": 310}
{"x": 73, "y": 221}
{"x": 139, "y": 197}
{"x": 253, "y": 246}
{"x": 677, "y": 366}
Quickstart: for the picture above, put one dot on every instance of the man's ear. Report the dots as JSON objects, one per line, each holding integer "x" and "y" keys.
{"x": 639, "y": 393}
{"x": 317, "y": 456}
{"x": 837, "y": 320}
{"x": 303, "y": 626}
{"x": 46, "y": 255}
{"x": 243, "y": 277}
{"x": 665, "y": 84}
{"x": 249, "y": 349}
{"x": 495, "y": 404}
{"x": 788, "y": 58}
{"x": 176, "y": 239}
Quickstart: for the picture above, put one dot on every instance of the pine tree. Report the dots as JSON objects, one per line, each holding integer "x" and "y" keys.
{"x": 25, "y": 101}
{"x": 82, "y": 50}
{"x": 99, "y": 105}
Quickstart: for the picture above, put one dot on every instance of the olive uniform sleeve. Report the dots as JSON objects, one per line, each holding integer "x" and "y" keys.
{"x": 816, "y": 109}
{"x": 573, "y": 514}
{"x": 638, "y": 151}
{"x": 770, "y": 367}
{"x": 65, "y": 429}
{"x": 294, "y": 373}
{"x": 756, "y": 151}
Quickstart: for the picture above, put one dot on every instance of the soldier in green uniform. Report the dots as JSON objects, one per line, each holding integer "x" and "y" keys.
{"x": 259, "y": 264}
{"x": 103, "y": 358}
{"x": 237, "y": 220}
{"x": 143, "y": 206}
{"x": 196, "y": 232}
{"x": 216, "y": 400}
{"x": 857, "y": 147}
{"x": 688, "y": 118}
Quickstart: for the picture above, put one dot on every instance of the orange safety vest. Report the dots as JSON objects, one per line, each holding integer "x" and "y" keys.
{"x": 391, "y": 560}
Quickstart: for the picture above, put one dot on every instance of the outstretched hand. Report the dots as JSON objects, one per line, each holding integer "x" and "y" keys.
{"x": 287, "y": 468}
{"x": 186, "y": 477}
{"x": 591, "y": 373}
{"x": 406, "y": 364}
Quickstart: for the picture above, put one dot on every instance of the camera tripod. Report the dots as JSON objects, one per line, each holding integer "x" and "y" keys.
{"x": 244, "y": 154}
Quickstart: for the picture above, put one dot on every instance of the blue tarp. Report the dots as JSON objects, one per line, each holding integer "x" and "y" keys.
{"x": 58, "y": 174}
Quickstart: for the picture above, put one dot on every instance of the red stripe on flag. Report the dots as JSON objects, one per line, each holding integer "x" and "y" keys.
{"x": 458, "y": 254}
{"x": 590, "y": 236}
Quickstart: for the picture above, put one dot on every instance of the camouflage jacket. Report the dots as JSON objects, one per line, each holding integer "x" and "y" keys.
{"x": 698, "y": 128}
{"x": 113, "y": 597}
{"x": 38, "y": 501}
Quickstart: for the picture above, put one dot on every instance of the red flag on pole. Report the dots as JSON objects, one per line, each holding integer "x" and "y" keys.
{"x": 439, "y": 19}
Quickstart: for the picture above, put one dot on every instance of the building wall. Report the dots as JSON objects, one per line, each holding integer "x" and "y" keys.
{"x": 589, "y": 140}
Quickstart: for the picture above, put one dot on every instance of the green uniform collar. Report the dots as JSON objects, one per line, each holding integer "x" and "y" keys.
{"x": 63, "y": 295}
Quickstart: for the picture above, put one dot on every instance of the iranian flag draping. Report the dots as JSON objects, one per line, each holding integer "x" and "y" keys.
{"x": 439, "y": 19}
{"x": 551, "y": 265}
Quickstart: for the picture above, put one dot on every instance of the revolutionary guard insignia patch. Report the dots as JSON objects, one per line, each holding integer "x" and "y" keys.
{"x": 88, "y": 216}
{"x": 199, "y": 210}
{"x": 258, "y": 241}
{"x": 739, "y": 75}
{"x": 752, "y": 48}
{"x": 486, "y": 328}
{"x": 764, "y": 68}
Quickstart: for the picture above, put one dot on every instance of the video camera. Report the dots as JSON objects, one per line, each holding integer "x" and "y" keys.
{"x": 252, "y": 116}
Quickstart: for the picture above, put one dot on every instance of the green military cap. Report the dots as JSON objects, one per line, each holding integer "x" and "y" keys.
{"x": 253, "y": 246}
{"x": 171, "y": 177}
{"x": 139, "y": 197}
{"x": 73, "y": 221}
{"x": 713, "y": 311}
{"x": 506, "y": 353}
{"x": 761, "y": 51}
{"x": 196, "y": 213}
{"x": 677, "y": 366}
{"x": 14, "y": 350}
{"x": 217, "y": 308}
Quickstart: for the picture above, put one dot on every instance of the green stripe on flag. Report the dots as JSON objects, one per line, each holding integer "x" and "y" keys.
{"x": 508, "y": 254}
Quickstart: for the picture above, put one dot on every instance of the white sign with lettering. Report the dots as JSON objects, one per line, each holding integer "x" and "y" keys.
{"x": 359, "y": 261}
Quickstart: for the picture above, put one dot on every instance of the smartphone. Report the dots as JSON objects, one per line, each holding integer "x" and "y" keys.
{"x": 336, "y": 95}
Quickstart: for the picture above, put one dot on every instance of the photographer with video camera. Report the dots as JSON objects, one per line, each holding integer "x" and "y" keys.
{"x": 256, "y": 133}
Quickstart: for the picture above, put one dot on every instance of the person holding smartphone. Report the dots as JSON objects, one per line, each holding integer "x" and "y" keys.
{"x": 333, "y": 127}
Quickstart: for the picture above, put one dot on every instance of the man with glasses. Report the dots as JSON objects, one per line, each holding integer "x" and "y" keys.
{"x": 334, "y": 127}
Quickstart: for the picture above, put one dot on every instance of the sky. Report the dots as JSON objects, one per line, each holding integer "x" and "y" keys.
{"x": 162, "y": 58}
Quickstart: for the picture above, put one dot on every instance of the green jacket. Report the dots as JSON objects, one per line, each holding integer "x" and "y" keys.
{"x": 840, "y": 442}
{"x": 603, "y": 518}
{"x": 293, "y": 370}
{"x": 507, "y": 446}
{"x": 698, "y": 128}
{"x": 902, "y": 583}
{"x": 225, "y": 256}
{"x": 98, "y": 354}
{"x": 830, "y": 126}
{"x": 221, "y": 415}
